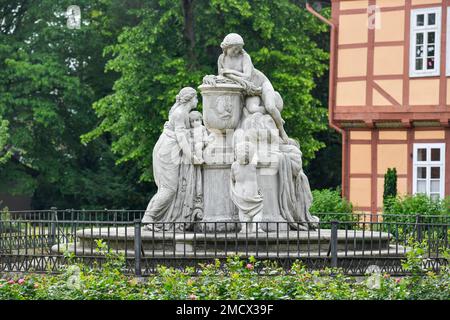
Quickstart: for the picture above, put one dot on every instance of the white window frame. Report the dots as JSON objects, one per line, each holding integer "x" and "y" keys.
{"x": 428, "y": 164}
{"x": 437, "y": 47}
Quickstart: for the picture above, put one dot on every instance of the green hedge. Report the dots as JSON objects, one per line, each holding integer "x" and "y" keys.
{"x": 329, "y": 205}
{"x": 417, "y": 204}
{"x": 236, "y": 279}
{"x": 403, "y": 215}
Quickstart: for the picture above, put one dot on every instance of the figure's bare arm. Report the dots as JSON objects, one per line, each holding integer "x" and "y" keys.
{"x": 207, "y": 137}
{"x": 220, "y": 65}
{"x": 247, "y": 67}
{"x": 180, "y": 133}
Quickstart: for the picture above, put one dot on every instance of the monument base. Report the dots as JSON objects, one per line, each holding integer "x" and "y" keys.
{"x": 219, "y": 209}
{"x": 284, "y": 244}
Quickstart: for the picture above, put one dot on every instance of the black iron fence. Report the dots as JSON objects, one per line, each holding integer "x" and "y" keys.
{"x": 42, "y": 241}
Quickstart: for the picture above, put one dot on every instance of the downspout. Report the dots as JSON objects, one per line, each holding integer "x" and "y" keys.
{"x": 331, "y": 85}
{"x": 332, "y": 97}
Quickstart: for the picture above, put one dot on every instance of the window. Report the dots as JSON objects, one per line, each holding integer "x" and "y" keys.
{"x": 425, "y": 42}
{"x": 429, "y": 169}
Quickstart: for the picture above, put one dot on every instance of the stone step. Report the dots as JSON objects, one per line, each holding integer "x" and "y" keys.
{"x": 355, "y": 242}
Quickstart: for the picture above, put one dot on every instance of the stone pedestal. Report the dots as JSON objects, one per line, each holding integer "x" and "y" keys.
{"x": 269, "y": 185}
{"x": 217, "y": 201}
{"x": 222, "y": 109}
{"x": 293, "y": 244}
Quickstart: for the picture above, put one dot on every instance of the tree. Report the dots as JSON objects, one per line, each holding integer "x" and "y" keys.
{"x": 325, "y": 171}
{"x": 4, "y": 136}
{"x": 390, "y": 186}
{"x": 50, "y": 77}
{"x": 176, "y": 43}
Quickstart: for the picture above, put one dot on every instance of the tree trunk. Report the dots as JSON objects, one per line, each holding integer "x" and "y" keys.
{"x": 189, "y": 32}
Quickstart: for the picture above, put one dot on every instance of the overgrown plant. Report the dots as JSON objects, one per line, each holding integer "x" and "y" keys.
{"x": 237, "y": 278}
{"x": 412, "y": 205}
{"x": 5, "y": 153}
{"x": 390, "y": 185}
{"x": 7, "y": 225}
{"x": 404, "y": 215}
{"x": 329, "y": 205}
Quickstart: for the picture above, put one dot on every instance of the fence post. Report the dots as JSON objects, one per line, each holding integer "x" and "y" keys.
{"x": 446, "y": 235}
{"x": 53, "y": 218}
{"x": 419, "y": 227}
{"x": 73, "y": 226}
{"x": 333, "y": 243}
{"x": 137, "y": 247}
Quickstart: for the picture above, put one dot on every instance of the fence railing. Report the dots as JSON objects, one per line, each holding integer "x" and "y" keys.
{"x": 131, "y": 215}
{"x": 38, "y": 241}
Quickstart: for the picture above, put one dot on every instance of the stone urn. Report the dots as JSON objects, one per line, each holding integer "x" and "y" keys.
{"x": 222, "y": 106}
{"x": 222, "y": 110}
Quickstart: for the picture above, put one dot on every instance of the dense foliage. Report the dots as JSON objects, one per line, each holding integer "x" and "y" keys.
{"x": 4, "y": 136}
{"x": 325, "y": 170}
{"x": 419, "y": 204}
{"x": 390, "y": 185}
{"x": 176, "y": 43}
{"x": 236, "y": 279}
{"x": 331, "y": 206}
{"x": 404, "y": 215}
{"x": 52, "y": 75}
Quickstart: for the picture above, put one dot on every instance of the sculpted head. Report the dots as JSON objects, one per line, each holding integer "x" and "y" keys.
{"x": 232, "y": 44}
{"x": 187, "y": 95}
{"x": 195, "y": 119}
{"x": 244, "y": 152}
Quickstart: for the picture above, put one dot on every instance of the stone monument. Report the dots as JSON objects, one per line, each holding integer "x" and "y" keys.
{"x": 229, "y": 180}
{"x": 250, "y": 170}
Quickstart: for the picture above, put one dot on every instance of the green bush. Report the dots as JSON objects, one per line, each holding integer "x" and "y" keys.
{"x": 390, "y": 185}
{"x": 329, "y": 206}
{"x": 235, "y": 279}
{"x": 6, "y": 223}
{"x": 401, "y": 216}
{"x": 407, "y": 207}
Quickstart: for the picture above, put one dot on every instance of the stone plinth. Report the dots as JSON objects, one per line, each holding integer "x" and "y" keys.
{"x": 269, "y": 185}
{"x": 217, "y": 201}
{"x": 222, "y": 109}
{"x": 350, "y": 243}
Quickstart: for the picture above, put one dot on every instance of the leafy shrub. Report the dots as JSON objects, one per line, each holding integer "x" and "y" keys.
{"x": 235, "y": 279}
{"x": 417, "y": 204}
{"x": 6, "y": 223}
{"x": 403, "y": 212}
{"x": 329, "y": 206}
{"x": 390, "y": 185}
{"x": 330, "y": 201}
